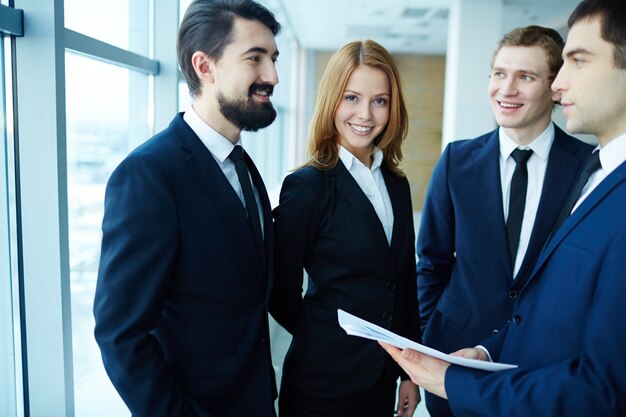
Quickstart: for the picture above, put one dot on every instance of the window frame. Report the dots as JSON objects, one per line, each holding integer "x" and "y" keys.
{"x": 43, "y": 257}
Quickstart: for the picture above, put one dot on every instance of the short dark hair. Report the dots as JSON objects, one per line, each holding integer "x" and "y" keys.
{"x": 612, "y": 15}
{"x": 546, "y": 38}
{"x": 208, "y": 27}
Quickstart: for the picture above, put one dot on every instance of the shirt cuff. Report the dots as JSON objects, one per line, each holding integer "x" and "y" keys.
{"x": 484, "y": 349}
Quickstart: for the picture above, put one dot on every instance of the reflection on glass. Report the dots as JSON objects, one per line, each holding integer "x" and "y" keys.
{"x": 105, "y": 118}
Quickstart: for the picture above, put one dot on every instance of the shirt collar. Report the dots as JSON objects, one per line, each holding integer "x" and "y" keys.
{"x": 613, "y": 154}
{"x": 219, "y": 146}
{"x": 349, "y": 159}
{"x": 540, "y": 145}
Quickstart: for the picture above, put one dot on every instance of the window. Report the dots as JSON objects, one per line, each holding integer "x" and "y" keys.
{"x": 121, "y": 23}
{"x": 10, "y": 372}
{"x": 86, "y": 94}
{"x": 108, "y": 111}
{"x": 11, "y": 393}
{"x": 104, "y": 121}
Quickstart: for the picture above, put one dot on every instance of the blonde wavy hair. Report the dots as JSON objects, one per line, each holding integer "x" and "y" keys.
{"x": 323, "y": 136}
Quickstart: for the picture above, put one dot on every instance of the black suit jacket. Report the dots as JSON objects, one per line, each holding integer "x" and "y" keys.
{"x": 326, "y": 225}
{"x": 181, "y": 300}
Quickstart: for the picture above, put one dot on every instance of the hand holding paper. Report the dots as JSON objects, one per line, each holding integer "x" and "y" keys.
{"x": 359, "y": 327}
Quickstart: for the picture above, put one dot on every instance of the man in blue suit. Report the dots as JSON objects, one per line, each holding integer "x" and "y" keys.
{"x": 567, "y": 331}
{"x": 481, "y": 232}
{"x": 186, "y": 265}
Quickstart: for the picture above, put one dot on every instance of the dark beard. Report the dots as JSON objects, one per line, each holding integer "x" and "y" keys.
{"x": 246, "y": 114}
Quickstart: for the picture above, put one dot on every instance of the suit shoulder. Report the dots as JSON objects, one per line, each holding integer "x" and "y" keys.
{"x": 469, "y": 145}
{"x": 156, "y": 155}
{"x": 460, "y": 149}
{"x": 300, "y": 192}
{"x": 160, "y": 145}
{"x": 307, "y": 175}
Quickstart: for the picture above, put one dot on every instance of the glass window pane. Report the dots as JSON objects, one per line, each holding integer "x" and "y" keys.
{"x": 10, "y": 371}
{"x": 105, "y": 120}
{"x": 122, "y": 23}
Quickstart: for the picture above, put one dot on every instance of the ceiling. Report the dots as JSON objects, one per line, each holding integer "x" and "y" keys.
{"x": 402, "y": 26}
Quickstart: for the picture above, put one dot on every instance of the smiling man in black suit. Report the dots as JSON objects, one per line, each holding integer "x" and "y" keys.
{"x": 186, "y": 265}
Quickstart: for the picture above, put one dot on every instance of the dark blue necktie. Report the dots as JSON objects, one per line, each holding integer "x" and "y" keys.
{"x": 592, "y": 164}
{"x": 517, "y": 200}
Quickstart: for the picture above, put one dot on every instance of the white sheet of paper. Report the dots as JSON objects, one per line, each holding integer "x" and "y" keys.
{"x": 358, "y": 327}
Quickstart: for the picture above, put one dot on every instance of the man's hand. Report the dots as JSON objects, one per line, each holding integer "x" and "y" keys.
{"x": 472, "y": 353}
{"x": 424, "y": 370}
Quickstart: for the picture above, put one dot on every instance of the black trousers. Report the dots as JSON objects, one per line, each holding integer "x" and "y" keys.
{"x": 376, "y": 401}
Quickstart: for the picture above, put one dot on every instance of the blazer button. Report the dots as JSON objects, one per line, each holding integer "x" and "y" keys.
{"x": 495, "y": 331}
{"x": 391, "y": 285}
{"x": 387, "y": 316}
{"x": 512, "y": 294}
{"x": 517, "y": 319}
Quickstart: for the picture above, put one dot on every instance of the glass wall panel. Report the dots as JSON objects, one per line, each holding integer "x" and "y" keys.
{"x": 116, "y": 22}
{"x": 104, "y": 121}
{"x": 10, "y": 362}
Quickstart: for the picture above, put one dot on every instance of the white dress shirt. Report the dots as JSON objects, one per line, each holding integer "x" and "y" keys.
{"x": 373, "y": 185}
{"x": 220, "y": 148}
{"x": 611, "y": 156}
{"x": 536, "y": 166}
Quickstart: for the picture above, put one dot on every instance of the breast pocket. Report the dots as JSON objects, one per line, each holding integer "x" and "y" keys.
{"x": 453, "y": 311}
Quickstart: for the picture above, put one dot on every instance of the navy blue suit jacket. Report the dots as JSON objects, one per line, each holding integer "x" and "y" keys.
{"x": 568, "y": 331}
{"x": 181, "y": 300}
{"x": 326, "y": 225}
{"x": 465, "y": 277}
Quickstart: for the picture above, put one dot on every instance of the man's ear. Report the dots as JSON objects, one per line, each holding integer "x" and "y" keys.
{"x": 204, "y": 66}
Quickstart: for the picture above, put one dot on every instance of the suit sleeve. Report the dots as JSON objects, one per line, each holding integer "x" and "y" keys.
{"x": 590, "y": 384}
{"x": 295, "y": 230}
{"x": 493, "y": 343}
{"x": 435, "y": 242}
{"x": 138, "y": 255}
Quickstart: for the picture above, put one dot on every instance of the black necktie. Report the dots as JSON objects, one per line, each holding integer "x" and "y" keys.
{"x": 592, "y": 164}
{"x": 517, "y": 200}
{"x": 252, "y": 209}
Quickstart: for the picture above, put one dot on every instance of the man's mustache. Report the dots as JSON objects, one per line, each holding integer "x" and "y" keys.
{"x": 256, "y": 88}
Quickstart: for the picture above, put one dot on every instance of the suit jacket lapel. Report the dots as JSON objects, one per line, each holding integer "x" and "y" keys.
{"x": 395, "y": 195}
{"x": 353, "y": 194}
{"x": 597, "y": 195}
{"x": 560, "y": 174}
{"x": 210, "y": 175}
{"x": 268, "y": 224}
{"x": 486, "y": 161}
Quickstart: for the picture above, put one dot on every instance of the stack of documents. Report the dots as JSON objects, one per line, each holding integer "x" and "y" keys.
{"x": 358, "y": 327}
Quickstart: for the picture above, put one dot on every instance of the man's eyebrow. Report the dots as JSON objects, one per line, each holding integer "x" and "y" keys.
{"x": 575, "y": 51}
{"x": 525, "y": 71}
{"x": 260, "y": 50}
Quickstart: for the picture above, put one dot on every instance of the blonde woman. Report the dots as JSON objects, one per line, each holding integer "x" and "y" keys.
{"x": 346, "y": 218}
